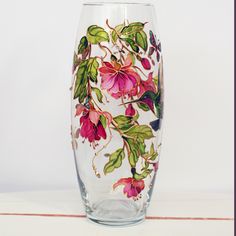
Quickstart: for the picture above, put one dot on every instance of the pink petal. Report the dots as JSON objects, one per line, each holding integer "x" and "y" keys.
{"x": 127, "y": 188}
{"x": 108, "y": 64}
{"x": 101, "y": 131}
{"x": 79, "y": 109}
{"x": 121, "y": 78}
{"x": 122, "y": 181}
{"x": 94, "y": 117}
{"x": 108, "y": 81}
{"x": 106, "y": 70}
{"x": 139, "y": 185}
{"x": 132, "y": 193}
{"x": 134, "y": 76}
{"x": 115, "y": 88}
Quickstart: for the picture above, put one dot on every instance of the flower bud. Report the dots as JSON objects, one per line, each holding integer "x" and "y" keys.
{"x": 146, "y": 64}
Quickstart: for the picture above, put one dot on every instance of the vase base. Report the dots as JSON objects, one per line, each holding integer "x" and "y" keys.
{"x": 115, "y": 212}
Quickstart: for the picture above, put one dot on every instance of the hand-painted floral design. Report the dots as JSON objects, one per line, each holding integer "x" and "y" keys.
{"x": 127, "y": 73}
{"x": 119, "y": 80}
{"x": 132, "y": 187}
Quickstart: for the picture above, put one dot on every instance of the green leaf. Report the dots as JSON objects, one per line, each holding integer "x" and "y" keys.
{"x": 152, "y": 151}
{"x": 133, "y": 152}
{"x": 132, "y": 28}
{"x": 96, "y": 34}
{"x": 103, "y": 121}
{"x": 118, "y": 30}
{"x": 154, "y": 156}
{"x": 123, "y": 122}
{"x": 143, "y": 175}
{"x": 87, "y": 70}
{"x": 141, "y": 146}
{"x": 115, "y": 161}
{"x": 132, "y": 44}
{"x": 80, "y": 90}
{"x": 146, "y": 166}
{"x": 132, "y": 57}
{"x": 82, "y": 45}
{"x": 141, "y": 40}
{"x": 93, "y": 69}
{"x": 98, "y": 93}
{"x": 136, "y": 149}
{"x": 140, "y": 131}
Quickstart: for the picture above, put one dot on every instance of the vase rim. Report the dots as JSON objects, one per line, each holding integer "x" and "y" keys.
{"x": 101, "y": 3}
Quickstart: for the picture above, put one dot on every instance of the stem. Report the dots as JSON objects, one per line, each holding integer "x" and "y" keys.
{"x": 97, "y": 153}
{"x": 140, "y": 71}
{"x": 90, "y": 50}
{"x": 103, "y": 48}
{"x": 123, "y": 46}
{"x": 123, "y": 102}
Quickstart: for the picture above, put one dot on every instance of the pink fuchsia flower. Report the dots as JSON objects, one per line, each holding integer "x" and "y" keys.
{"x": 119, "y": 80}
{"x": 91, "y": 126}
{"x": 91, "y": 131}
{"x": 132, "y": 187}
{"x": 130, "y": 111}
{"x": 145, "y": 63}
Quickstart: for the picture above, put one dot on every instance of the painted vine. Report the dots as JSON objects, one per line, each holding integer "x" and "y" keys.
{"x": 122, "y": 79}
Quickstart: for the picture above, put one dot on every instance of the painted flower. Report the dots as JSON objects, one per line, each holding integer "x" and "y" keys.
{"x": 91, "y": 125}
{"x": 130, "y": 111}
{"x": 119, "y": 80}
{"x": 146, "y": 64}
{"x": 132, "y": 187}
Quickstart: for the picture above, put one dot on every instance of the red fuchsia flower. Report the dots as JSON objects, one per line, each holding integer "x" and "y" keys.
{"x": 130, "y": 111}
{"x": 132, "y": 187}
{"x": 91, "y": 126}
{"x": 146, "y": 64}
{"x": 119, "y": 80}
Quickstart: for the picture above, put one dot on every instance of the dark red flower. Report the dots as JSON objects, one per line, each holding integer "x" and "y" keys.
{"x": 146, "y": 64}
{"x": 91, "y": 131}
{"x": 132, "y": 187}
{"x": 130, "y": 111}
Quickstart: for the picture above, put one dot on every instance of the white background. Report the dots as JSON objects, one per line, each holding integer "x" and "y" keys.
{"x": 36, "y": 47}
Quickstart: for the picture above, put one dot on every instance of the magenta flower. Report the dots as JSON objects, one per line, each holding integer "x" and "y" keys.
{"x": 91, "y": 131}
{"x": 146, "y": 64}
{"x": 119, "y": 80}
{"x": 132, "y": 187}
{"x": 130, "y": 111}
{"x": 91, "y": 126}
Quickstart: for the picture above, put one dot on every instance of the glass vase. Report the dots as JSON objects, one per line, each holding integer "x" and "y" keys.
{"x": 117, "y": 110}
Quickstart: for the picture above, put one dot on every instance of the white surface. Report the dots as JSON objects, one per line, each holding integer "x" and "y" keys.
{"x": 219, "y": 205}
{"x": 37, "y": 41}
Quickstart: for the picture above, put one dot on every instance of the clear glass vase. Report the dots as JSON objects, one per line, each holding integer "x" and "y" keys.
{"x": 117, "y": 110}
